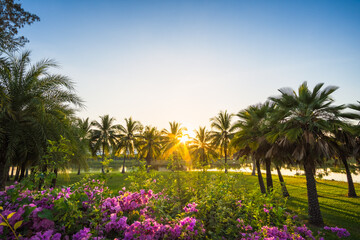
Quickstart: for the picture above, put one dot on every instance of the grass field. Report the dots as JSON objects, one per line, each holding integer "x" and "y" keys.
{"x": 337, "y": 208}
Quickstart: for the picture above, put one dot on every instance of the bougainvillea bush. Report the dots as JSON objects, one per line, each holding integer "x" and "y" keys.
{"x": 178, "y": 208}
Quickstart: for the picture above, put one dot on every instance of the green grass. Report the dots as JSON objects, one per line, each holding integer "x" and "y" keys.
{"x": 337, "y": 209}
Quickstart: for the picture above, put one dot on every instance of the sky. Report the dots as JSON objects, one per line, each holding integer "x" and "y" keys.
{"x": 185, "y": 61}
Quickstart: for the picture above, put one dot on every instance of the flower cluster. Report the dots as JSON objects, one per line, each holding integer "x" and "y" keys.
{"x": 89, "y": 210}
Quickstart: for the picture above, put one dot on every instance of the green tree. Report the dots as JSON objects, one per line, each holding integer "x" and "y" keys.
{"x": 127, "y": 138}
{"x": 250, "y": 139}
{"x": 307, "y": 118}
{"x": 201, "y": 147}
{"x": 103, "y": 136}
{"x": 150, "y": 145}
{"x": 12, "y": 18}
{"x": 35, "y": 107}
{"x": 82, "y": 128}
{"x": 222, "y": 133}
{"x": 172, "y": 141}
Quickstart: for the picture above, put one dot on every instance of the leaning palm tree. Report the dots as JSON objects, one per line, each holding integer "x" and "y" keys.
{"x": 222, "y": 132}
{"x": 127, "y": 137}
{"x": 307, "y": 118}
{"x": 104, "y": 136}
{"x": 150, "y": 145}
{"x": 201, "y": 147}
{"x": 35, "y": 105}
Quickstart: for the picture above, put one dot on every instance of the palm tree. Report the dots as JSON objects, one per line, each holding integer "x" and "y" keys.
{"x": 253, "y": 125}
{"x": 127, "y": 137}
{"x": 150, "y": 145}
{"x": 307, "y": 118}
{"x": 83, "y": 138}
{"x": 104, "y": 136}
{"x": 35, "y": 106}
{"x": 201, "y": 147}
{"x": 223, "y": 131}
{"x": 172, "y": 140}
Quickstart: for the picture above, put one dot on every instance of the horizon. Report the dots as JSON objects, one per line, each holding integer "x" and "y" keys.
{"x": 162, "y": 61}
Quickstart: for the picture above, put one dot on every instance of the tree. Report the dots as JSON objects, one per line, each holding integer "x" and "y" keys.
{"x": 82, "y": 128}
{"x": 12, "y": 18}
{"x": 250, "y": 139}
{"x": 35, "y": 108}
{"x": 223, "y": 131}
{"x": 307, "y": 118}
{"x": 127, "y": 137}
{"x": 104, "y": 136}
{"x": 172, "y": 139}
{"x": 201, "y": 147}
{"x": 150, "y": 145}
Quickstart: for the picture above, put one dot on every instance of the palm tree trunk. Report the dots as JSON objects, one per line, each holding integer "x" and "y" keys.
{"x": 123, "y": 168}
{"x": 313, "y": 201}
{"x": 282, "y": 183}
{"x": 79, "y": 170}
{"x": 17, "y": 174}
{"x": 12, "y": 171}
{"x": 4, "y": 172}
{"x": 253, "y": 167}
{"x": 103, "y": 158}
{"x": 269, "y": 182}
{"x": 22, "y": 171}
{"x": 260, "y": 178}
{"x": 225, "y": 150}
{"x": 351, "y": 188}
{"x": 53, "y": 181}
{"x": 26, "y": 172}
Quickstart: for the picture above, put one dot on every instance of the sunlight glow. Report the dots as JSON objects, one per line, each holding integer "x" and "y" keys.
{"x": 184, "y": 138}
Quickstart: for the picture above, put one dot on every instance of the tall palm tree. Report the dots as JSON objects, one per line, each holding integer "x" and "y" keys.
{"x": 35, "y": 106}
{"x": 222, "y": 132}
{"x": 201, "y": 147}
{"x": 127, "y": 137}
{"x": 150, "y": 145}
{"x": 83, "y": 138}
{"x": 307, "y": 118}
{"x": 253, "y": 125}
{"x": 172, "y": 140}
{"x": 104, "y": 136}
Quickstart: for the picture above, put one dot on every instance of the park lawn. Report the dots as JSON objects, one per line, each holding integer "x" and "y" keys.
{"x": 337, "y": 209}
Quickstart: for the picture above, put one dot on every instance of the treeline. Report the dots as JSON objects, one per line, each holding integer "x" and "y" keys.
{"x": 39, "y": 130}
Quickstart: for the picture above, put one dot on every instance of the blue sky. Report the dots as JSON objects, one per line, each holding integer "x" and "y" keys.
{"x": 161, "y": 61}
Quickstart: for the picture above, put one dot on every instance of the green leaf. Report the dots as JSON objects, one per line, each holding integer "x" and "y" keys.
{"x": 17, "y": 225}
{"x": 10, "y": 215}
{"x": 1, "y": 208}
{"x": 3, "y": 224}
{"x": 46, "y": 213}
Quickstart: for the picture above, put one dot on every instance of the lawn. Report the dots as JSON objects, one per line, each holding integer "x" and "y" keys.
{"x": 337, "y": 208}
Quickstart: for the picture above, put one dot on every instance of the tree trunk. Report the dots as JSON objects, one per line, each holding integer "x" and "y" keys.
{"x": 17, "y": 174}
{"x": 123, "y": 168}
{"x": 260, "y": 178}
{"x": 22, "y": 171}
{"x": 12, "y": 171}
{"x": 282, "y": 183}
{"x": 103, "y": 158}
{"x": 313, "y": 201}
{"x": 53, "y": 181}
{"x": 79, "y": 170}
{"x": 26, "y": 172}
{"x": 269, "y": 182}
{"x": 351, "y": 188}
{"x": 4, "y": 171}
{"x": 225, "y": 159}
{"x": 253, "y": 167}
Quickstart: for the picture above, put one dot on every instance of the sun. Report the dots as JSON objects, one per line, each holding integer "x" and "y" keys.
{"x": 184, "y": 138}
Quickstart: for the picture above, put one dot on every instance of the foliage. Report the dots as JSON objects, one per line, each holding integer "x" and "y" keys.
{"x": 13, "y": 17}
